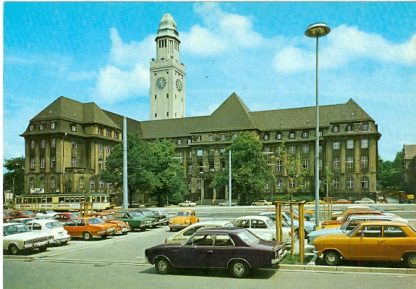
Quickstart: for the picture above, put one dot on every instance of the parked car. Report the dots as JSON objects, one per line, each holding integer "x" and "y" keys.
{"x": 89, "y": 227}
{"x": 121, "y": 226}
{"x": 187, "y": 204}
{"x": 46, "y": 214}
{"x": 235, "y": 249}
{"x": 22, "y": 220}
{"x": 150, "y": 215}
{"x": 365, "y": 201}
{"x": 162, "y": 215}
{"x": 50, "y": 227}
{"x": 136, "y": 220}
{"x": 350, "y": 223}
{"x": 21, "y": 214}
{"x": 337, "y": 223}
{"x": 184, "y": 234}
{"x": 18, "y": 238}
{"x": 342, "y": 201}
{"x": 261, "y": 203}
{"x": 308, "y": 225}
{"x": 263, "y": 227}
{"x": 65, "y": 216}
{"x": 183, "y": 219}
{"x": 371, "y": 241}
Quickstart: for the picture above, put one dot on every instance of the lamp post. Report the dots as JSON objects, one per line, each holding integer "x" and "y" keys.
{"x": 315, "y": 31}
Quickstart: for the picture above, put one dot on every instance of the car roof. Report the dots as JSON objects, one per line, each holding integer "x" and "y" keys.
{"x": 388, "y": 223}
{"x": 382, "y": 217}
{"x": 211, "y": 222}
{"x": 255, "y": 217}
{"x": 43, "y": 221}
{"x": 217, "y": 230}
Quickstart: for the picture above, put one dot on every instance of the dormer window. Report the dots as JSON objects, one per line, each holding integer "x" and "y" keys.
{"x": 41, "y": 126}
{"x": 278, "y": 135}
{"x": 292, "y": 135}
{"x": 73, "y": 127}
{"x": 305, "y": 134}
{"x": 31, "y": 127}
{"x": 266, "y": 137}
{"x": 53, "y": 125}
{"x": 364, "y": 126}
{"x": 349, "y": 128}
{"x": 335, "y": 128}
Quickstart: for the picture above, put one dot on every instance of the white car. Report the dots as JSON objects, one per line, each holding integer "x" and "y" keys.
{"x": 365, "y": 201}
{"x": 187, "y": 204}
{"x": 307, "y": 225}
{"x": 184, "y": 234}
{"x": 18, "y": 237}
{"x": 50, "y": 227}
{"x": 46, "y": 214}
{"x": 263, "y": 227}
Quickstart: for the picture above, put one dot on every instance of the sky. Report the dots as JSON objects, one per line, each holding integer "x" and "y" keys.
{"x": 97, "y": 51}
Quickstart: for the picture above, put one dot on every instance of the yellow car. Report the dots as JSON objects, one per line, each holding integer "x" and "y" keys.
{"x": 370, "y": 241}
{"x": 183, "y": 219}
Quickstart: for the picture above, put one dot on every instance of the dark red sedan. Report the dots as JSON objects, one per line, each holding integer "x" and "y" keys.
{"x": 235, "y": 249}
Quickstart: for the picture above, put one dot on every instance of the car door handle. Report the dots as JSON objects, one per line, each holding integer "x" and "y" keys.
{"x": 210, "y": 251}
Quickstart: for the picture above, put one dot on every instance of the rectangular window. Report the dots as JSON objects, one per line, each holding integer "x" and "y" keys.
{"x": 41, "y": 126}
{"x": 336, "y": 182}
{"x": 32, "y": 144}
{"x": 292, "y": 149}
{"x": 73, "y": 127}
{"x": 305, "y": 164}
{"x": 32, "y": 163}
{"x": 53, "y": 143}
{"x": 350, "y": 144}
{"x": 279, "y": 166}
{"x": 200, "y": 153}
{"x": 335, "y": 162}
{"x": 364, "y": 162}
{"x": 305, "y": 148}
{"x": 74, "y": 162}
{"x": 53, "y": 125}
{"x": 53, "y": 162}
{"x": 336, "y": 145}
{"x": 42, "y": 163}
{"x": 42, "y": 144}
{"x": 350, "y": 162}
{"x": 100, "y": 148}
{"x": 364, "y": 143}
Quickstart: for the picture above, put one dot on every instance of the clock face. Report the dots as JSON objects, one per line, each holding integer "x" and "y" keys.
{"x": 161, "y": 82}
{"x": 178, "y": 85}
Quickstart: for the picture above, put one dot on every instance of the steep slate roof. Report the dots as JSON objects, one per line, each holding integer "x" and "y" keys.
{"x": 233, "y": 115}
{"x": 305, "y": 117}
{"x": 75, "y": 111}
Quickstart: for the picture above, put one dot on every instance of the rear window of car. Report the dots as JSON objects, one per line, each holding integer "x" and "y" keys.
{"x": 248, "y": 237}
{"x": 53, "y": 225}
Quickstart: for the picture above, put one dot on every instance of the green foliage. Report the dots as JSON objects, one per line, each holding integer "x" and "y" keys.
{"x": 152, "y": 169}
{"x": 249, "y": 169}
{"x": 14, "y": 177}
{"x": 390, "y": 173}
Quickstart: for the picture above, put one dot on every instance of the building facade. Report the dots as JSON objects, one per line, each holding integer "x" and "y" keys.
{"x": 66, "y": 145}
{"x": 409, "y": 159}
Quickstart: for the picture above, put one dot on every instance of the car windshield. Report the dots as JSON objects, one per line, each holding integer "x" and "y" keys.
{"x": 136, "y": 214}
{"x": 53, "y": 225}
{"x": 95, "y": 221}
{"x": 270, "y": 223}
{"x": 15, "y": 229}
{"x": 248, "y": 237}
{"x": 183, "y": 214}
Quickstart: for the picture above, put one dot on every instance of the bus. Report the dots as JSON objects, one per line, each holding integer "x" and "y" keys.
{"x": 61, "y": 202}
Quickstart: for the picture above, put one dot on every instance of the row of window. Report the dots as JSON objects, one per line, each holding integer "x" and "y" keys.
{"x": 53, "y": 125}
{"x": 43, "y": 126}
{"x": 53, "y": 182}
{"x": 164, "y": 42}
{"x": 336, "y": 183}
{"x": 305, "y": 134}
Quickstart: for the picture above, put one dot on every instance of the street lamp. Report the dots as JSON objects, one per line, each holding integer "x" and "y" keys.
{"x": 315, "y": 31}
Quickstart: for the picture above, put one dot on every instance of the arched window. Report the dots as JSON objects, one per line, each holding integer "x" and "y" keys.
{"x": 52, "y": 184}
{"x": 92, "y": 184}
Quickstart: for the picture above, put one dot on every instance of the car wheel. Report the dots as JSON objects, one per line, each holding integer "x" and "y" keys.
{"x": 43, "y": 248}
{"x": 86, "y": 236}
{"x": 163, "y": 266}
{"x": 331, "y": 258}
{"x": 13, "y": 249}
{"x": 411, "y": 260}
{"x": 239, "y": 269}
{"x": 64, "y": 243}
{"x": 104, "y": 236}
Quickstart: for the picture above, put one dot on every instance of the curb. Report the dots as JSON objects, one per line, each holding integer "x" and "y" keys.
{"x": 347, "y": 269}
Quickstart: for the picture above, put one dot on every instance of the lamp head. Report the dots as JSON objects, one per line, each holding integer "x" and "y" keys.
{"x": 317, "y": 30}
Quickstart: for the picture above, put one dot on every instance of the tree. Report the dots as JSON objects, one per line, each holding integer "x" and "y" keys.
{"x": 250, "y": 171}
{"x": 13, "y": 179}
{"x": 152, "y": 169}
{"x": 168, "y": 172}
{"x": 140, "y": 176}
{"x": 390, "y": 173}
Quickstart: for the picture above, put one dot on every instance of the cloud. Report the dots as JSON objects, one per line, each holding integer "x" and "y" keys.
{"x": 114, "y": 84}
{"x": 222, "y": 32}
{"x": 126, "y": 75}
{"x": 344, "y": 45}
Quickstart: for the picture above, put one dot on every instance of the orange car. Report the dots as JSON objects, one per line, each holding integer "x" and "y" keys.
{"x": 121, "y": 226}
{"x": 183, "y": 219}
{"x": 373, "y": 241}
{"x": 89, "y": 227}
{"x": 338, "y": 222}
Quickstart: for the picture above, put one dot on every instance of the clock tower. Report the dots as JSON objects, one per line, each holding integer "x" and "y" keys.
{"x": 167, "y": 74}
